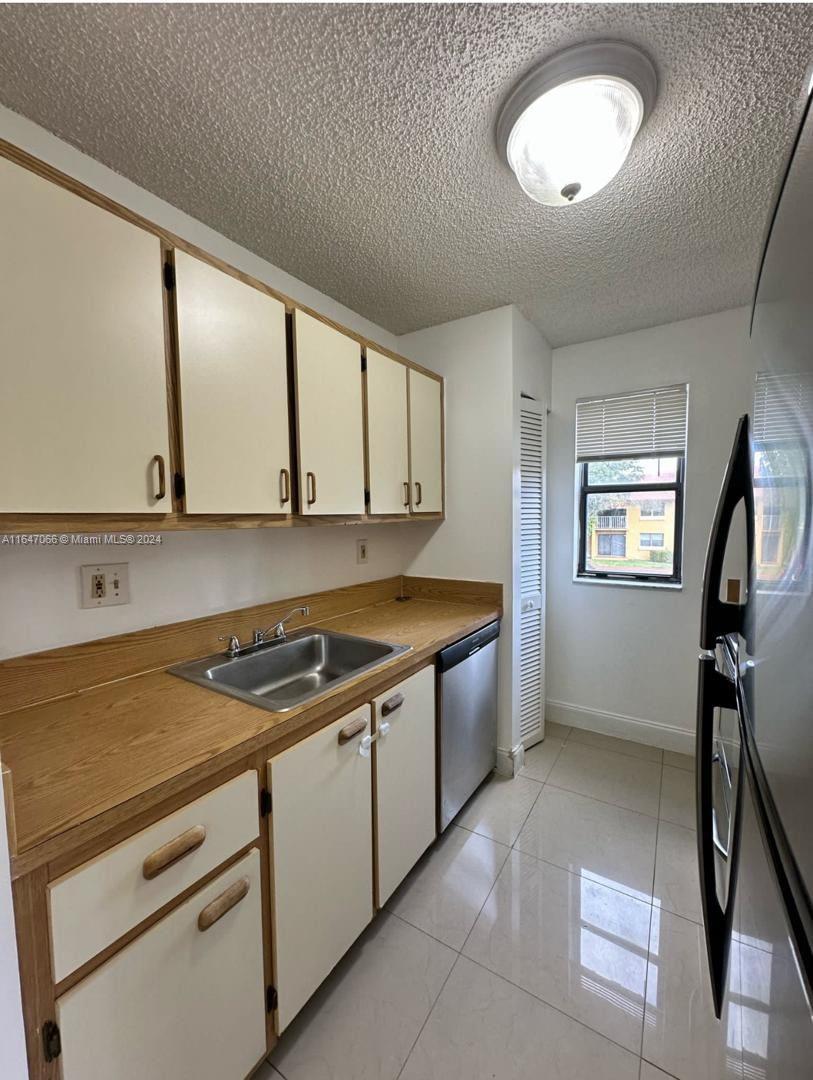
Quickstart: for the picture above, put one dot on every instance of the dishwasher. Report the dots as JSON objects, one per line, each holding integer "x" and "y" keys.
{"x": 467, "y": 743}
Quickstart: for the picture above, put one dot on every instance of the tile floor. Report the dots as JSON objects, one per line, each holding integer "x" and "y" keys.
{"x": 554, "y": 932}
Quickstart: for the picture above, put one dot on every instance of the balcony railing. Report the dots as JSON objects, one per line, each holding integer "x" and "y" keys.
{"x": 612, "y": 521}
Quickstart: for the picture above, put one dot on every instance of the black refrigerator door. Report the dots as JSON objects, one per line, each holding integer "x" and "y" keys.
{"x": 720, "y": 622}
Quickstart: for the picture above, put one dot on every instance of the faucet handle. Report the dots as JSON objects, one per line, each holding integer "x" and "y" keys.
{"x": 234, "y": 644}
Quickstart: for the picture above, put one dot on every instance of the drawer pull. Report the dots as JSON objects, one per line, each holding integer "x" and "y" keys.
{"x": 168, "y": 854}
{"x": 406, "y": 493}
{"x": 349, "y": 731}
{"x": 391, "y": 704}
{"x": 284, "y": 486}
{"x": 223, "y": 903}
{"x": 310, "y": 479}
{"x": 419, "y": 491}
{"x": 162, "y": 477}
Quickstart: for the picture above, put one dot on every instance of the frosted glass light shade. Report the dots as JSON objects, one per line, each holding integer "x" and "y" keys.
{"x": 570, "y": 142}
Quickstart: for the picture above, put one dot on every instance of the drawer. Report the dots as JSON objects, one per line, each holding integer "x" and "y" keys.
{"x": 93, "y": 905}
{"x": 185, "y": 999}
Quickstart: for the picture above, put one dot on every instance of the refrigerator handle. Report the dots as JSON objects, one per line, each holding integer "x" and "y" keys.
{"x": 720, "y": 617}
{"x": 713, "y": 691}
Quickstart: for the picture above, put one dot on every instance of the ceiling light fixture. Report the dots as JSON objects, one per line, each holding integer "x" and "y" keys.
{"x": 567, "y": 126}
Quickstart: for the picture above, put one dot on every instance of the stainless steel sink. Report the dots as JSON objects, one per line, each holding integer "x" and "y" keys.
{"x": 280, "y": 675}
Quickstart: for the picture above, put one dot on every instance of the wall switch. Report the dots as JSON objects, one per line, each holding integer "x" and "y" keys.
{"x": 361, "y": 551}
{"x": 105, "y": 585}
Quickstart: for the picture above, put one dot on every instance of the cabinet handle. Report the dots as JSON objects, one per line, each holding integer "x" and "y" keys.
{"x": 406, "y": 493}
{"x": 223, "y": 903}
{"x": 418, "y": 489}
{"x": 168, "y": 854}
{"x": 311, "y": 480}
{"x": 391, "y": 704}
{"x": 284, "y": 486}
{"x": 162, "y": 477}
{"x": 349, "y": 731}
{"x": 368, "y": 740}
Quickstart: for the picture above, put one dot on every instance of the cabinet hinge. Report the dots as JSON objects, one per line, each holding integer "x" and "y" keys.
{"x": 179, "y": 484}
{"x": 366, "y": 496}
{"x": 363, "y": 362}
{"x": 169, "y": 275}
{"x": 270, "y": 998}
{"x": 265, "y": 802}
{"x": 51, "y": 1040}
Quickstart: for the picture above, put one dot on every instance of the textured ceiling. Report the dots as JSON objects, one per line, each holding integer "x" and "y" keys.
{"x": 353, "y": 146}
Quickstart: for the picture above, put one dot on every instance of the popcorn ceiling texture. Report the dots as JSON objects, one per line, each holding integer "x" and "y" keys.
{"x": 353, "y": 146}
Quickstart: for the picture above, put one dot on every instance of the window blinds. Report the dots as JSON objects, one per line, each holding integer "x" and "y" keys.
{"x": 783, "y": 406}
{"x": 647, "y": 423}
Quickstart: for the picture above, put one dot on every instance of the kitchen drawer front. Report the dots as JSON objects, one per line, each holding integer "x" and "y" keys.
{"x": 93, "y": 905}
{"x": 178, "y": 1001}
{"x": 405, "y": 766}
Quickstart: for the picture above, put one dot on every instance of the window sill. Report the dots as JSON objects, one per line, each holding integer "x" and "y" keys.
{"x": 672, "y": 586}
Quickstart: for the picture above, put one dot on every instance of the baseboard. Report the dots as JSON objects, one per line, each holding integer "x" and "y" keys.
{"x": 650, "y": 732}
{"x": 510, "y": 761}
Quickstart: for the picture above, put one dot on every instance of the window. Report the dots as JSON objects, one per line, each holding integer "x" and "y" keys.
{"x": 630, "y": 453}
{"x": 770, "y": 548}
{"x": 651, "y": 540}
{"x": 653, "y": 508}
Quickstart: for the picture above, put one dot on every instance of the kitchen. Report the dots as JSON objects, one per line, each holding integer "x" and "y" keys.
{"x": 360, "y": 525}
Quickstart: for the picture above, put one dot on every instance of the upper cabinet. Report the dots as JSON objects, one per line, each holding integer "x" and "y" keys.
{"x": 426, "y": 442}
{"x": 387, "y": 435}
{"x": 329, "y": 418}
{"x": 83, "y": 405}
{"x": 233, "y": 381}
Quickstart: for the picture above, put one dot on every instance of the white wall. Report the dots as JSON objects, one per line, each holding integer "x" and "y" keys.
{"x": 484, "y": 359}
{"x": 623, "y": 659}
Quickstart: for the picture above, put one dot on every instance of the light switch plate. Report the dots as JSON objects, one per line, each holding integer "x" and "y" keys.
{"x": 105, "y": 584}
{"x": 362, "y": 551}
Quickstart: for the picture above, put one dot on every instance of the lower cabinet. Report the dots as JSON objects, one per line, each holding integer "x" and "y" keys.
{"x": 405, "y": 778}
{"x": 321, "y": 853}
{"x": 184, "y": 1001}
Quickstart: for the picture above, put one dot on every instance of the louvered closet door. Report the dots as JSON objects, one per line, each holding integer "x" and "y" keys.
{"x": 532, "y": 573}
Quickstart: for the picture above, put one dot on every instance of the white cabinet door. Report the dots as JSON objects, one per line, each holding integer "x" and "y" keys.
{"x": 387, "y": 438}
{"x": 405, "y": 778}
{"x": 83, "y": 399}
{"x": 426, "y": 442}
{"x": 330, "y": 420}
{"x": 234, "y": 393}
{"x": 179, "y": 1002}
{"x": 322, "y": 855}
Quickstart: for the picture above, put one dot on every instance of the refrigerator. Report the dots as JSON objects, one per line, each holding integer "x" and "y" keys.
{"x": 754, "y": 762}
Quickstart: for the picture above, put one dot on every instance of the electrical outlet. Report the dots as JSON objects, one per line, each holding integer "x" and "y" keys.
{"x": 105, "y": 585}
{"x": 361, "y": 551}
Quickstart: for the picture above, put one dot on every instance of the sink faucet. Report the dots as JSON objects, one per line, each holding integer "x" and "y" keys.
{"x": 278, "y": 629}
{"x": 260, "y": 637}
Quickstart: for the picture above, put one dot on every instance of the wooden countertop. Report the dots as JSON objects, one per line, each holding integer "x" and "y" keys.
{"x": 76, "y": 761}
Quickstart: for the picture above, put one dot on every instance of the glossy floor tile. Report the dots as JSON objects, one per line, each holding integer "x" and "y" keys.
{"x": 681, "y": 1034}
{"x": 556, "y": 730}
{"x": 605, "y": 843}
{"x": 445, "y": 891}
{"x": 482, "y": 1027}
{"x": 619, "y": 746}
{"x": 573, "y": 943}
{"x": 540, "y": 759}
{"x": 678, "y": 797}
{"x": 649, "y": 1072}
{"x": 679, "y": 761}
{"x": 609, "y": 777}
{"x": 677, "y": 881}
{"x": 362, "y": 1023}
{"x": 499, "y": 808}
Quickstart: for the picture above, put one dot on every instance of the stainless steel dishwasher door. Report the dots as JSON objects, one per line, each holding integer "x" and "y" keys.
{"x": 468, "y": 720}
